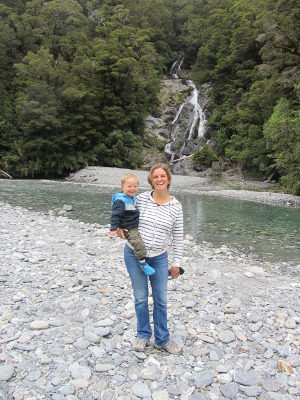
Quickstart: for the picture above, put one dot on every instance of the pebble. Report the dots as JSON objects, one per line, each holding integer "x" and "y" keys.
{"x": 67, "y": 320}
{"x": 230, "y": 390}
{"x": 6, "y": 372}
{"x": 39, "y": 325}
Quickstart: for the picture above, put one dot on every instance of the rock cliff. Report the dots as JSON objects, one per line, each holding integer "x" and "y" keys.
{"x": 178, "y": 129}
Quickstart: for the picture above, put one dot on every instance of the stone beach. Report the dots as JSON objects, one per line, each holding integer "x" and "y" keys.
{"x": 67, "y": 320}
{"x": 255, "y": 191}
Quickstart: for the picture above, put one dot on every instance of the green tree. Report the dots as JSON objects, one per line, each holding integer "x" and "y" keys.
{"x": 130, "y": 82}
{"x": 122, "y": 149}
{"x": 66, "y": 107}
{"x": 64, "y": 27}
{"x": 282, "y": 133}
{"x": 204, "y": 156}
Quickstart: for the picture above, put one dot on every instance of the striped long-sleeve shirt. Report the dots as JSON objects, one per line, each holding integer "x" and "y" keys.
{"x": 158, "y": 224}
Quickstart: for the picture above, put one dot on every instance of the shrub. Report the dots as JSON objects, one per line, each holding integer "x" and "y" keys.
{"x": 204, "y": 156}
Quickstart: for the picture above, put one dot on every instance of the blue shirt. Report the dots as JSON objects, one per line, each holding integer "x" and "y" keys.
{"x": 124, "y": 213}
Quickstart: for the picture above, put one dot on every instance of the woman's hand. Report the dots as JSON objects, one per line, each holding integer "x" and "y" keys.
{"x": 174, "y": 272}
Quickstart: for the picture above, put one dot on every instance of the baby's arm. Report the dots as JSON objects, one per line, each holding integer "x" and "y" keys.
{"x": 118, "y": 209}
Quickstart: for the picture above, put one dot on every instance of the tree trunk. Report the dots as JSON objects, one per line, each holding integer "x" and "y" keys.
{"x": 5, "y": 174}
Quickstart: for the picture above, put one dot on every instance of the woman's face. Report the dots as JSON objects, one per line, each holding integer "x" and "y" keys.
{"x": 160, "y": 180}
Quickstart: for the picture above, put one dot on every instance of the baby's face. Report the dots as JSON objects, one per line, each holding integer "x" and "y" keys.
{"x": 130, "y": 187}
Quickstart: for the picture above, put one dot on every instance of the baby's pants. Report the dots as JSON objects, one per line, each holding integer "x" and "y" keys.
{"x": 135, "y": 240}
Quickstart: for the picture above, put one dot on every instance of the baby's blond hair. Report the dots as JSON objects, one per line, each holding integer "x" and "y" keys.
{"x": 127, "y": 176}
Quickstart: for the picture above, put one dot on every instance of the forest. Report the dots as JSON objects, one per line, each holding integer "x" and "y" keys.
{"x": 79, "y": 78}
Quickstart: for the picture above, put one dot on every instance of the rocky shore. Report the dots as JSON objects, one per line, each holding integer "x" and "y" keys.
{"x": 67, "y": 318}
{"x": 229, "y": 186}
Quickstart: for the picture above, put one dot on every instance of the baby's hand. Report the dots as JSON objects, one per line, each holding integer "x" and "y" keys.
{"x": 111, "y": 233}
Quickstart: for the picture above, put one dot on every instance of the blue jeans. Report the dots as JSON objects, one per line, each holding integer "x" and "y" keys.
{"x": 159, "y": 283}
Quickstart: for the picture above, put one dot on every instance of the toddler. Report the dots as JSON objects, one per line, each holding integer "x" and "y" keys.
{"x": 125, "y": 215}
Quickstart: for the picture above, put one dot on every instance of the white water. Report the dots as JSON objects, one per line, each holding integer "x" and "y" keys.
{"x": 197, "y": 120}
{"x": 175, "y": 67}
{"x": 198, "y": 114}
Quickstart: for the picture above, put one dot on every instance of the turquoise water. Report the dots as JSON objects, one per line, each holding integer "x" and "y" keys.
{"x": 269, "y": 232}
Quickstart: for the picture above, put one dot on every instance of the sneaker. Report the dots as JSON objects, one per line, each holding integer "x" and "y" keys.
{"x": 171, "y": 347}
{"x": 139, "y": 344}
{"x": 146, "y": 268}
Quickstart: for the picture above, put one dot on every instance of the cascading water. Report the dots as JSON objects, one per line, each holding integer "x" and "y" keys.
{"x": 188, "y": 126}
{"x": 176, "y": 66}
{"x": 198, "y": 113}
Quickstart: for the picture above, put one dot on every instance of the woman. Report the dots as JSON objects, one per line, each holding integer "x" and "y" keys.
{"x": 161, "y": 218}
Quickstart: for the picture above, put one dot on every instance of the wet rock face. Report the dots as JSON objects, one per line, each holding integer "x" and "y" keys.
{"x": 171, "y": 96}
{"x": 180, "y": 124}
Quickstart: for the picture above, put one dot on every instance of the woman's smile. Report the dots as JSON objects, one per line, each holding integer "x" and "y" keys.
{"x": 160, "y": 179}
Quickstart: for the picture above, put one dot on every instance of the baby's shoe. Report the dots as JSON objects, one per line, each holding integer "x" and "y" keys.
{"x": 146, "y": 268}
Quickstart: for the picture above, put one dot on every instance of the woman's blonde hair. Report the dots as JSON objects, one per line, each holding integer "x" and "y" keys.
{"x": 157, "y": 166}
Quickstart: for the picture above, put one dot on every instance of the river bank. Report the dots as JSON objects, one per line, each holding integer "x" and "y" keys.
{"x": 229, "y": 186}
{"x": 67, "y": 319}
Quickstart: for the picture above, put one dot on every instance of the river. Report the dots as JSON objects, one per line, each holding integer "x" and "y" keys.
{"x": 267, "y": 232}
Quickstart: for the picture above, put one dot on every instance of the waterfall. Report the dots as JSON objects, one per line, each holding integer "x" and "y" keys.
{"x": 178, "y": 113}
{"x": 176, "y": 66}
{"x": 188, "y": 125}
{"x": 198, "y": 114}
{"x": 168, "y": 149}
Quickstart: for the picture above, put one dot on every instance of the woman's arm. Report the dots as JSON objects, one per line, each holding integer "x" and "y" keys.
{"x": 178, "y": 239}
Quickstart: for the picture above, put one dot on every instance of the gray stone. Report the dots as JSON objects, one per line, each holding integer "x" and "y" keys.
{"x": 230, "y": 390}
{"x": 149, "y": 374}
{"x": 160, "y": 395}
{"x": 207, "y": 339}
{"x": 279, "y": 396}
{"x": 58, "y": 396}
{"x": 290, "y": 323}
{"x": 269, "y": 354}
{"x": 104, "y": 367}
{"x": 39, "y": 324}
{"x": 80, "y": 383}
{"x": 141, "y": 390}
{"x": 105, "y": 331}
{"x": 108, "y": 394}
{"x": 105, "y": 322}
{"x": 175, "y": 389}
{"x": 215, "y": 354}
{"x": 57, "y": 380}
{"x": 82, "y": 344}
{"x": 226, "y": 336}
{"x": 252, "y": 391}
{"x": 80, "y": 371}
{"x": 92, "y": 337}
{"x": 67, "y": 390}
{"x": 6, "y": 372}
{"x": 294, "y": 360}
{"x": 271, "y": 385}
{"x": 255, "y": 327}
{"x": 245, "y": 378}
{"x": 203, "y": 379}
{"x": 33, "y": 376}
{"x": 236, "y": 303}
{"x": 249, "y": 364}
{"x": 223, "y": 368}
